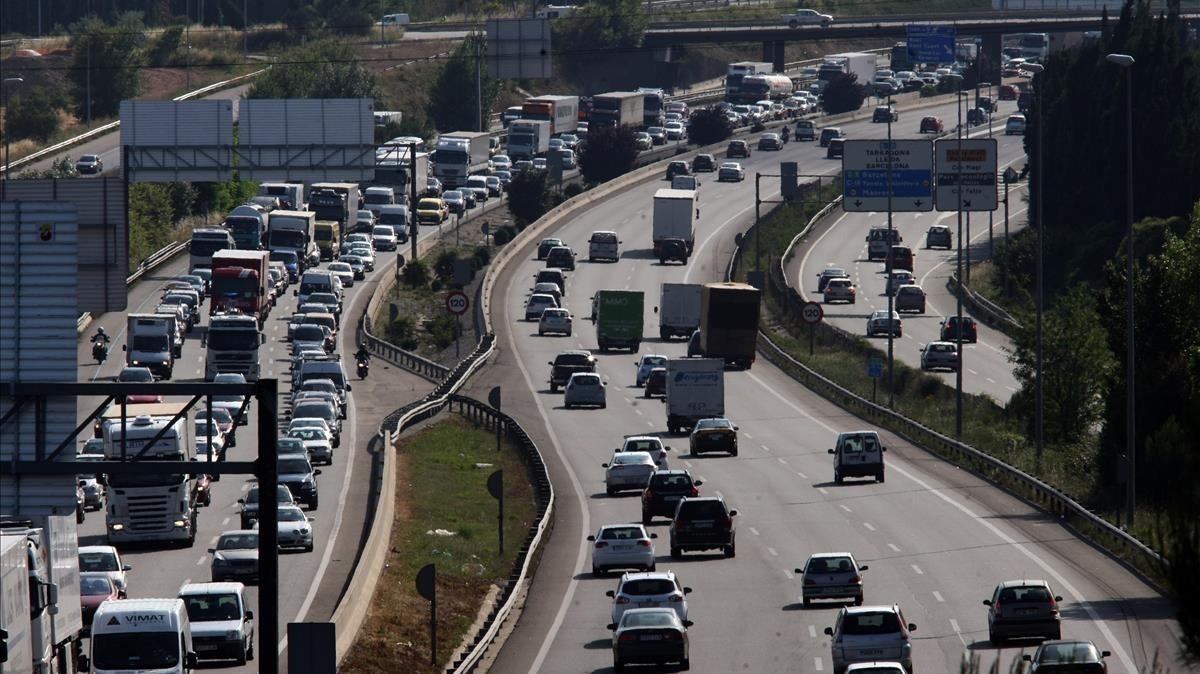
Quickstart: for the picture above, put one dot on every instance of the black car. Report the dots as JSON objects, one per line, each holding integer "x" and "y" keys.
{"x": 249, "y": 513}
{"x": 545, "y": 245}
{"x": 938, "y": 236}
{"x": 672, "y": 249}
{"x": 949, "y": 329}
{"x": 976, "y": 116}
{"x": 568, "y": 363}
{"x": 835, "y": 149}
{"x": 678, "y": 168}
{"x": 561, "y": 257}
{"x": 656, "y": 383}
{"x": 704, "y": 162}
{"x": 664, "y": 492}
{"x": 884, "y": 114}
{"x": 300, "y": 478}
{"x": 703, "y": 524}
{"x": 737, "y": 148}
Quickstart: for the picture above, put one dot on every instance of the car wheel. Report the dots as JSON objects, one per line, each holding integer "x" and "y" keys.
{"x": 553, "y": 388}
{"x": 993, "y": 639}
{"x": 733, "y": 453}
{"x": 837, "y": 477}
{"x": 676, "y": 553}
{"x": 314, "y": 503}
{"x": 1056, "y": 634}
{"x": 652, "y": 567}
{"x": 603, "y": 405}
{"x": 241, "y": 657}
{"x": 541, "y": 334}
{"x": 609, "y": 491}
{"x": 858, "y": 601}
{"x": 685, "y": 664}
{"x": 618, "y": 667}
{"x": 730, "y": 550}
{"x": 597, "y": 572}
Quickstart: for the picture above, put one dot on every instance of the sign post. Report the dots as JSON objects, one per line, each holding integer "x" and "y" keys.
{"x": 865, "y": 170}
{"x": 812, "y": 313}
{"x": 971, "y": 170}
{"x": 457, "y": 304}
{"x": 427, "y": 588}
{"x": 874, "y": 371}
{"x": 495, "y": 485}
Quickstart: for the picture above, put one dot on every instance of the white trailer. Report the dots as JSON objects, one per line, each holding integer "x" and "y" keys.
{"x": 528, "y": 138}
{"x": 695, "y": 391}
{"x": 459, "y": 155}
{"x": 674, "y": 217}
{"x": 15, "y": 619}
{"x": 561, "y": 111}
{"x": 291, "y": 194}
{"x": 293, "y": 230}
{"x": 679, "y": 310}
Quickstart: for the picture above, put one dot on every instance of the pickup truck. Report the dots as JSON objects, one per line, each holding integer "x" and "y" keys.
{"x": 568, "y": 363}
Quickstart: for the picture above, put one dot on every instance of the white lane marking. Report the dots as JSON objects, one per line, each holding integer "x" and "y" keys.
{"x": 802, "y": 475}
{"x": 754, "y": 531}
{"x": 818, "y": 665}
{"x": 765, "y": 448}
{"x": 748, "y": 436}
{"x": 225, "y": 521}
{"x": 1101, "y": 624}
{"x": 893, "y": 547}
{"x": 187, "y": 581}
{"x": 639, "y": 412}
{"x": 938, "y": 596}
{"x": 773, "y": 552}
{"x": 990, "y": 380}
{"x": 650, "y": 424}
{"x": 868, "y": 526}
{"x": 972, "y": 371}
{"x": 812, "y": 631}
{"x": 788, "y": 573}
{"x": 782, "y": 460}
{"x": 822, "y": 490}
{"x": 917, "y": 570}
{"x": 845, "y": 507}
{"x": 957, "y": 631}
{"x": 718, "y": 493}
{"x": 201, "y": 560}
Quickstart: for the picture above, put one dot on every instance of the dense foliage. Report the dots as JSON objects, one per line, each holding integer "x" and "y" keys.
{"x": 528, "y": 196}
{"x": 843, "y": 94}
{"x": 610, "y": 152}
{"x": 34, "y": 114}
{"x": 105, "y": 68}
{"x": 325, "y": 69}
{"x": 708, "y": 125}
{"x": 453, "y": 105}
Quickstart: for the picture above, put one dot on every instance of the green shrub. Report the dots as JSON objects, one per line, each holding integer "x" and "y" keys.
{"x": 443, "y": 266}
{"x": 573, "y": 190}
{"x": 928, "y": 90}
{"x": 483, "y": 254}
{"x": 416, "y": 273}
{"x": 444, "y": 330}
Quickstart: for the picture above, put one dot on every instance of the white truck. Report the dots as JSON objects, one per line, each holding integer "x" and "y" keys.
{"x": 294, "y": 231}
{"x": 528, "y": 138}
{"x": 151, "y": 507}
{"x": 232, "y": 345}
{"x": 150, "y": 342}
{"x": 49, "y": 610}
{"x": 460, "y": 155}
{"x": 142, "y": 635}
{"x": 618, "y": 108}
{"x": 679, "y": 310}
{"x": 205, "y": 242}
{"x": 561, "y": 111}
{"x": 290, "y": 194}
{"x": 674, "y": 217}
{"x": 695, "y": 391}
{"x": 860, "y": 64}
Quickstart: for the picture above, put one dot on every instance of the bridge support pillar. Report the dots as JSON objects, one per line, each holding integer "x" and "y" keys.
{"x": 990, "y": 59}
{"x": 773, "y": 52}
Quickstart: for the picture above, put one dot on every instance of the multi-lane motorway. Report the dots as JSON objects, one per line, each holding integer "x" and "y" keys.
{"x": 936, "y": 539}
{"x": 840, "y": 242}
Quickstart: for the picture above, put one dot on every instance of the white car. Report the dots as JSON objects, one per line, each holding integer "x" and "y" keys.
{"x": 383, "y": 237}
{"x": 569, "y": 160}
{"x": 546, "y": 288}
{"x": 366, "y": 253}
{"x": 1015, "y": 125}
{"x": 295, "y": 528}
{"x": 676, "y": 131}
{"x": 870, "y": 634}
{"x": 231, "y": 403}
{"x": 309, "y": 422}
{"x": 502, "y": 162}
{"x": 106, "y": 559}
{"x": 537, "y": 303}
{"x": 839, "y": 290}
{"x": 651, "y": 444}
{"x": 555, "y": 320}
{"x": 628, "y": 470}
{"x": 622, "y": 546}
{"x": 343, "y": 271}
{"x": 731, "y": 171}
{"x": 878, "y": 324}
{"x": 317, "y": 443}
{"x": 831, "y": 575}
{"x": 645, "y": 364}
{"x": 876, "y": 667}
{"x": 584, "y": 388}
{"x": 650, "y": 589}
{"x": 202, "y": 438}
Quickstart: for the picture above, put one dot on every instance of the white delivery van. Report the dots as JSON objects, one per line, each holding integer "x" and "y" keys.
{"x": 141, "y": 635}
{"x": 604, "y": 245}
{"x": 686, "y": 183}
{"x": 395, "y": 20}
{"x": 222, "y": 625}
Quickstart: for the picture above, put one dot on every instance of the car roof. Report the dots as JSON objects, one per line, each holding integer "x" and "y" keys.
{"x": 192, "y": 589}
{"x": 826, "y": 555}
{"x": 647, "y": 575}
{"x": 879, "y": 608}
{"x": 1024, "y": 583}
{"x": 622, "y": 525}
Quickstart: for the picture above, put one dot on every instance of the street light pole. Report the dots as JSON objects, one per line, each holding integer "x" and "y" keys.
{"x": 1126, "y": 62}
{"x": 958, "y": 375}
{"x": 888, "y": 264}
{"x": 1040, "y": 194}
{"x": 8, "y": 82}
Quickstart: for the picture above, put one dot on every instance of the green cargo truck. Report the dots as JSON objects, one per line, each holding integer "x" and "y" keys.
{"x": 619, "y": 316}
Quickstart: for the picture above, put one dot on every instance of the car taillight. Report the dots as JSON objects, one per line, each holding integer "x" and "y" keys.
{"x": 1053, "y": 606}
{"x": 675, "y": 598}
{"x": 622, "y": 599}
{"x": 998, "y": 611}
{"x": 601, "y": 544}
{"x": 628, "y": 636}
{"x": 856, "y": 580}
{"x": 672, "y": 635}
{"x": 644, "y": 543}
{"x": 648, "y": 494}
{"x": 695, "y": 491}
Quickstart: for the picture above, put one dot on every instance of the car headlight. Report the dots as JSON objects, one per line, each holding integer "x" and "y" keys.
{"x": 181, "y": 523}
{"x": 304, "y": 532}
{"x": 117, "y": 527}
{"x": 218, "y": 558}
{"x": 233, "y": 635}
{"x": 137, "y": 362}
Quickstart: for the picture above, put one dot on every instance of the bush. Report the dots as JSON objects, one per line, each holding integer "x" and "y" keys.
{"x": 33, "y": 114}
{"x": 416, "y": 273}
{"x": 436, "y": 284}
{"x": 504, "y": 235}
{"x": 843, "y": 94}
{"x": 401, "y": 331}
{"x": 573, "y": 190}
{"x": 708, "y": 126}
{"x": 444, "y": 330}
{"x": 483, "y": 255}
{"x": 929, "y": 90}
{"x": 610, "y": 152}
{"x": 528, "y": 195}
{"x": 443, "y": 266}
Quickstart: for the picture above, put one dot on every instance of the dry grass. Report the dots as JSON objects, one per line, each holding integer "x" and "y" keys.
{"x": 438, "y": 486}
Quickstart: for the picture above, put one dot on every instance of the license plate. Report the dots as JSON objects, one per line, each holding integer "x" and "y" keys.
{"x": 651, "y": 637}
{"x": 647, "y": 604}
{"x": 1027, "y": 611}
{"x": 206, "y": 647}
{"x": 703, "y": 525}
{"x": 674, "y": 497}
{"x": 871, "y": 651}
{"x": 621, "y": 548}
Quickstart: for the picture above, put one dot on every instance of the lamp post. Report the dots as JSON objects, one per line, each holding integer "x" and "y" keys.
{"x": 958, "y": 376}
{"x": 1126, "y": 62}
{"x": 889, "y": 263}
{"x": 1039, "y": 406}
{"x": 8, "y": 82}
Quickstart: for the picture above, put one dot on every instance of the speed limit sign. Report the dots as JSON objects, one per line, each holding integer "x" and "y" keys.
{"x": 457, "y": 303}
{"x": 812, "y": 313}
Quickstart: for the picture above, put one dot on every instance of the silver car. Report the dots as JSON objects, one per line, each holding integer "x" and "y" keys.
{"x": 628, "y": 470}
{"x": 879, "y": 324}
{"x": 831, "y": 575}
{"x": 537, "y": 303}
{"x": 839, "y": 290}
{"x": 235, "y": 556}
{"x": 622, "y": 546}
{"x": 910, "y": 297}
{"x": 939, "y": 355}
{"x": 556, "y": 321}
{"x": 584, "y": 388}
{"x": 870, "y": 634}
{"x": 295, "y": 528}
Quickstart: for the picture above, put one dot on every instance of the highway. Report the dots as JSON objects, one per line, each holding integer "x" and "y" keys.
{"x": 839, "y": 241}
{"x": 937, "y": 539}
{"x": 310, "y": 583}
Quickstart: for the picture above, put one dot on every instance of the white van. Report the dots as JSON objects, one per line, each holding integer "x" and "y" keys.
{"x": 604, "y": 245}
{"x": 395, "y": 20}
{"x": 222, "y": 625}
{"x": 141, "y": 635}
{"x": 317, "y": 282}
{"x": 376, "y": 198}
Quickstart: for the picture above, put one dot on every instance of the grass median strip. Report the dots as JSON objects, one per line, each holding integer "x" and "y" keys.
{"x": 445, "y": 516}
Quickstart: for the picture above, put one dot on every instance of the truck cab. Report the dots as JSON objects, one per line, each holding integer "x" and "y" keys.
{"x": 231, "y": 345}
{"x": 328, "y": 236}
{"x": 151, "y": 507}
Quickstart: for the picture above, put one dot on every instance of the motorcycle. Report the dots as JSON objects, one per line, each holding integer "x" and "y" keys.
{"x": 99, "y": 352}
{"x": 363, "y": 368}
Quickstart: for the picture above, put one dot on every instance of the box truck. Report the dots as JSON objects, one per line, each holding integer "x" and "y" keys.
{"x": 150, "y": 343}
{"x": 459, "y": 155}
{"x": 678, "y": 310}
{"x": 291, "y": 195}
{"x": 328, "y": 208}
{"x": 239, "y": 283}
{"x": 561, "y": 111}
{"x": 674, "y": 217}
{"x": 15, "y": 619}
{"x": 617, "y": 108}
{"x": 205, "y": 242}
{"x": 729, "y": 322}
{"x": 293, "y": 230}
{"x": 860, "y": 64}
{"x": 619, "y": 319}
{"x": 528, "y": 138}
{"x": 695, "y": 391}
{"x": 653, "y": 101}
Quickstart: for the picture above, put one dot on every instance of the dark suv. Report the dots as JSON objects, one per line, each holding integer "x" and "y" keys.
{"x": 249, "y": 513}
{"x": 704, "y": 162}
{"x": 672, "y": 249}
{"x": 702, "y": 524}
{"x": 678, "y": 168}
{"x": 568, "y": 363}
{"x": 970, "y": 333}
{"x": 938, "y": 236}
{"x": 737, "y": 148}
{"x": 561, "y": 257}
{"x": 666, "y": 489}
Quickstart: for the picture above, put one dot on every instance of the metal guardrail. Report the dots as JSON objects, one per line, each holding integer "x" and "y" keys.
{"x": 988, "y": 311}
{"x": 1037, "y": 491}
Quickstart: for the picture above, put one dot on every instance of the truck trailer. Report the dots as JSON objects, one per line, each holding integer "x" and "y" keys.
{"x": 460, "y": 155}
{"x": 561, "y": 111}
{"x": 528, "y": 138}
{"x": 291, "y": 195}
{"x": 695, "y": 391}
{"x": 293, "y": 231}
{"x": 618, "y": 108}
{"x": 679, "y": 310}
{"x": 619, "y": 315}
{"x": 729, "y": 322}
{"x": 674, "y": 217}
{"x": 860, "y": 64}
{"x": 734, "y": 73}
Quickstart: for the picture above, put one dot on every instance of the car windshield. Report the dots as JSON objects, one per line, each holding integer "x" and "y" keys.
{"x": 573, "y": 359}
{"x": 705, "y": 424}
{"x": 310, "y": 433}
{"x": 654, "y": 361}
{"x": 138, "y": 651}
{"x": 855, "y": 444}
{"x": 135, "y": 374}
{"x": 702, "y": 510}
{"x": 238, "y": 542}
{"x": 871, "y": 623}
{"x": 293, "y": 466}
{"x": 648, "y": 586}
{"x": 286, "y": 445}
{"x": 632, "y": 458}
{"x": 589, "y": 380}
{"x": 98, "y": 561}
{"x": 1078, "y": 651}
{"x": 678, "y": 480}
{"x": 316, "y": 410}
{"x": 830, "y": 565}
{"x": 212, "y": 607}
{"x": 622, "y": 534}
{"x": 95, "y": 586}
{"x": 381, "y": 230}
{"x": 291, "y": 515}
{"x": 943, "y": 348}
{"x": 309, "y": 333}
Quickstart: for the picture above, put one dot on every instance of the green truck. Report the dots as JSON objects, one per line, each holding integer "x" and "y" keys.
{"x": 619, "y": 316}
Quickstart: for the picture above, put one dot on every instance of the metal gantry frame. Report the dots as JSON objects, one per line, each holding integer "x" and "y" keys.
{"x": 265, "y": 467}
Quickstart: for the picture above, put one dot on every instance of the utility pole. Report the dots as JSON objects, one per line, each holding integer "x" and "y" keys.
{"x": 1039, "y": 196}
{"x": 479, "y": 83}
{"x": 888, "y": 265}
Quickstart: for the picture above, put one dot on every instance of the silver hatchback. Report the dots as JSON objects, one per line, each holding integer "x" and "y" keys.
{"x": 831, "y": 575}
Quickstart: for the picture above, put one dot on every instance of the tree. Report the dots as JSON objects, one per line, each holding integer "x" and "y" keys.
{"x": 452, "y": 103}
{"x": 708, "y": 125}
{"x": 33, "y": 114}
{"x": 528, "y": 194}
{"x": 325, "y": 69}
{"x": 843, "y": 93}
{"x": 603, "y": 24}
{"x": 1076, "y": 365}
{"x": 610, "y": 152}
{"x": 151, "y": 225}
{"x": 105, "y": 66}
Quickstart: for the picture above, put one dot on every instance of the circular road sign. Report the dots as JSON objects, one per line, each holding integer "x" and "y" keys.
{"x": 457, "y": 303}
{"x": 812, "y": 313}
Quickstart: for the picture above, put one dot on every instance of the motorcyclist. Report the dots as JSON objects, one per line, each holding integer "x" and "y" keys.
{"x": 786, "y": 133}
{"x": 362, "y": 355}
{"x": 100, "y": 337}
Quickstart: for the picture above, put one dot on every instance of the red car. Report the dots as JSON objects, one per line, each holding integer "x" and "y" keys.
{"x": 901, "y": 257}
{"x": 1007, "y": 92}
{"x": 931, "y": 125}
{"x": 95, "y": 587}
{"x": 970, "y": 332}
